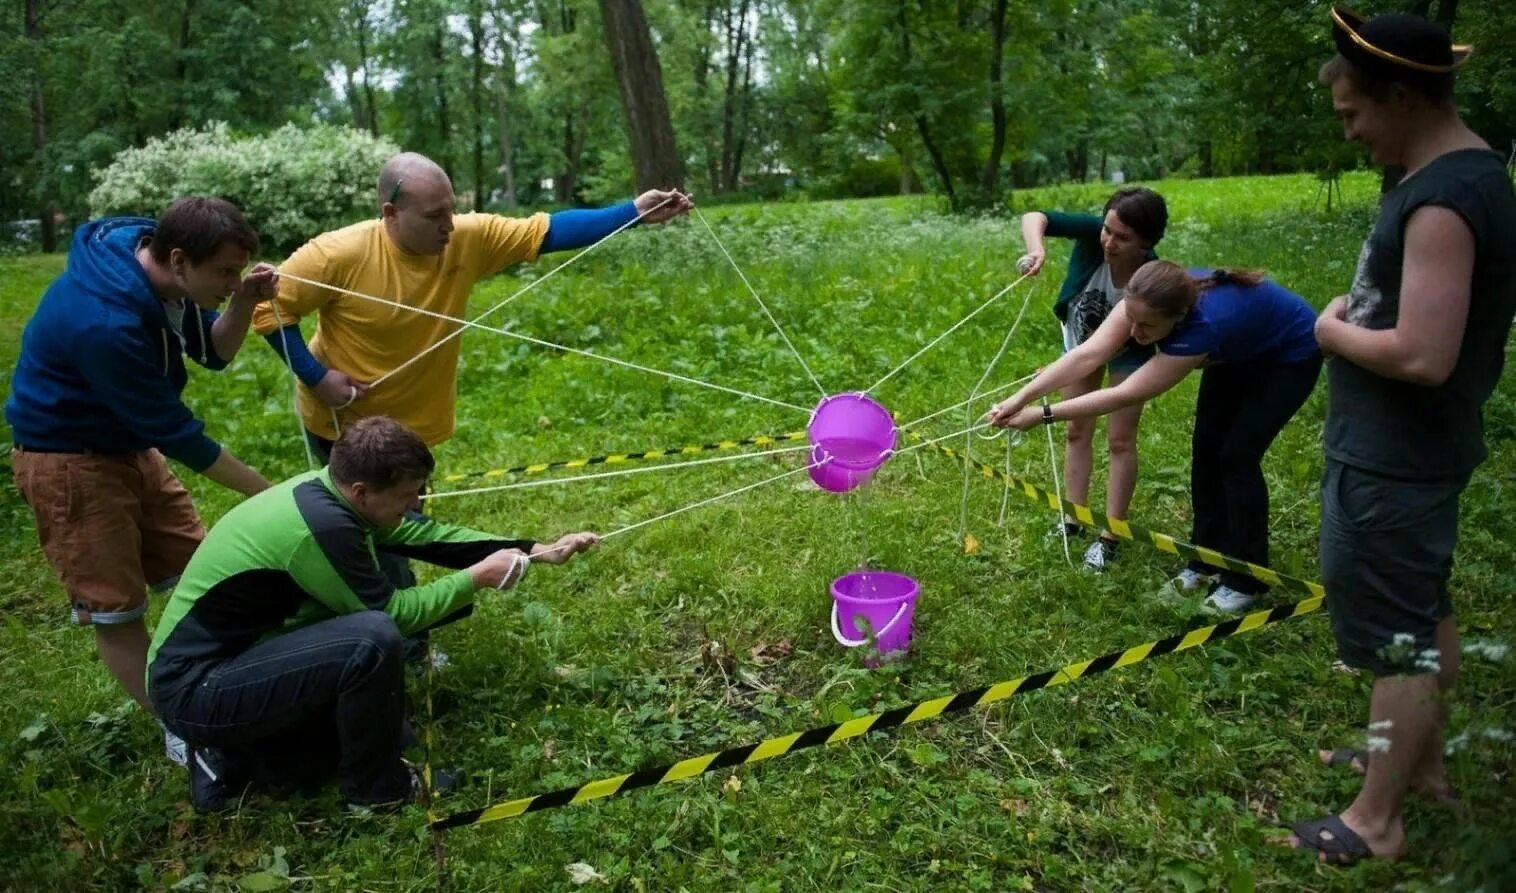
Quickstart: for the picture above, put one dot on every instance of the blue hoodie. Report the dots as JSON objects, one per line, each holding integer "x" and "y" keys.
{"x": 101, "y": 367}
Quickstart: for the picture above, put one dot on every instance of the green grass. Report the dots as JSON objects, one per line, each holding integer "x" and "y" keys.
{"x": 710, "y": 629}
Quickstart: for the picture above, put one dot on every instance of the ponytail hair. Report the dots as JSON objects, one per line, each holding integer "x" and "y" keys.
{"x": 1171, "y": 291}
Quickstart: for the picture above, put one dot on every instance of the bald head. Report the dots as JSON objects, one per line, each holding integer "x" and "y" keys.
{"x": 407, "y": 174}
{"x": 416, "y": 204}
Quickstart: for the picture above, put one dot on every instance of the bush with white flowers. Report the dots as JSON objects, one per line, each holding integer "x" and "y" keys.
{"x": 292, "y": 183}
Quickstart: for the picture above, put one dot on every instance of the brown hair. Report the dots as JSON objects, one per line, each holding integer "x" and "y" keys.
{"x": 199, "y": 226}
{"x": 1434, "y": 87}
{"x": 1143, "y": 210}
{"x": 381, "y": 453}
{"x": 1170, "y": 289}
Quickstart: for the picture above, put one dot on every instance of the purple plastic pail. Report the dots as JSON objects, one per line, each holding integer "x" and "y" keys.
{"x": 885, "y": 599}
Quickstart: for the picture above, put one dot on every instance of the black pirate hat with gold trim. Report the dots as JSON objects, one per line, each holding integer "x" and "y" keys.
{"x": 1395, "y": 45}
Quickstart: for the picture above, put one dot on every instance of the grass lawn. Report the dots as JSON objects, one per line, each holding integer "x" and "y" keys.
{"x": 710, "y": 629}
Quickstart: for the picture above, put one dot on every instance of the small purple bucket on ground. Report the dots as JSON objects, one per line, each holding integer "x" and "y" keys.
{"x": 885, "y": 599}
{"x": 853, "y": 435}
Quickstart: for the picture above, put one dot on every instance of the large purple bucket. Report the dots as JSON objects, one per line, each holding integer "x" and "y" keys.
{"x": 885, "y": 599}
{"x": 853, "y": 435}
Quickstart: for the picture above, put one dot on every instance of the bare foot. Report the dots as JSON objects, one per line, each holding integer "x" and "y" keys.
{"x": 1352, "y": 843}
{"x": 1432, "y": 785}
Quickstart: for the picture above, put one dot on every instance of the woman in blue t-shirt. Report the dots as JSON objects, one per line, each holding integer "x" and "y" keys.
{"x": 1108, "y": 249}
{"x": 1257, "y": 343}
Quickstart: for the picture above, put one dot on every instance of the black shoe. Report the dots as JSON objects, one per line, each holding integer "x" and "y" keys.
{"x": 1065, "y": 529}
{"x": 444, "y": 781}
{"x": 211, "y": 780}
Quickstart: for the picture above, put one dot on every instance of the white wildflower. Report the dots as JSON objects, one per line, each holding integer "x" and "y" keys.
{"x": 1500, "y": 735}
{"x": 1490, "y": 651}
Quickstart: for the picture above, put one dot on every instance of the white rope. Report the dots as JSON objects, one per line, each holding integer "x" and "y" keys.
{"x": 1063, "y": 526}
{"x": 936, "y": 440}
{"x": 754, "y": 292}
{"x": 310, "y": 457}
{"x": 1005, "y": 492}
{"x": 529, "y": 286}
{"x": 667, "y": 466}
{"x": 963, "y": 502}
{"x": 990, "y": 393}
{"x": 508, "y": 333}
{"x": 959, "y": 324}
{"x": 777, "y": 477}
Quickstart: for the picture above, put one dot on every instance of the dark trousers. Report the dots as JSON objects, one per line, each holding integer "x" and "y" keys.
{"x": 1239, "y": 412}
{"x": 292, "y": 708}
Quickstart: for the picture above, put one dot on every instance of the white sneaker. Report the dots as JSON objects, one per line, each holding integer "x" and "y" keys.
{"x": 1225, "y": 598}
{"x": 1190, "y": 579}
{"x": 175, "y": 748}
{"x": 1100, "y": 553}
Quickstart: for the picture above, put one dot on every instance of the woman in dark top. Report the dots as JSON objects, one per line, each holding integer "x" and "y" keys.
{"x": 1256, "y": 341}
{"x": 1108, "y": 249}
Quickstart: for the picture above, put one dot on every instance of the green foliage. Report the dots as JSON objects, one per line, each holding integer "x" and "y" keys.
{"x": 709, "y": 629}
{"x": 291, "y": 183}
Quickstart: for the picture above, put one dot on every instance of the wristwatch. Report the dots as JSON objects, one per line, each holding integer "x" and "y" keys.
{"x": 1047, "y": 413}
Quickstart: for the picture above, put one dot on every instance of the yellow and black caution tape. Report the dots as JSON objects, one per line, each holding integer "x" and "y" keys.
{"x": 874, "y": 722}
{"x": 1137, "y": 533}
{"x": 618, "y": 458}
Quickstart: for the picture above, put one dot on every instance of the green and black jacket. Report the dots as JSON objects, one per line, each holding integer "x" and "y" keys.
{"x": 296, "y": 554}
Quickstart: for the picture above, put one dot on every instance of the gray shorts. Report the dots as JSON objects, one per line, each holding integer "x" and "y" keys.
{"x": 1386, "y": 557}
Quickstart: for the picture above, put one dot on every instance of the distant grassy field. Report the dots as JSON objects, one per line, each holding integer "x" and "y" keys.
{"x": 709, "y": 630}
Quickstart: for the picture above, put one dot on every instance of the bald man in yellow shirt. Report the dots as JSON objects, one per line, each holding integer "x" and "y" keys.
{"x": 418, "y": 253}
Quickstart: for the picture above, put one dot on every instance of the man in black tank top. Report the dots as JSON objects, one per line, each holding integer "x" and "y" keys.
{"x": 1417, "y": 347}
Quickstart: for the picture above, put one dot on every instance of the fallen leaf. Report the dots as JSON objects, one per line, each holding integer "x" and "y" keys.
{"x": 582, "y": 873}
{"x": 768, "y": 652}
{"x": 731, "y": 787}
{"x": 550, "y": 748}
{"x": 544, "y": 422}
{"x": 970, "y": 544}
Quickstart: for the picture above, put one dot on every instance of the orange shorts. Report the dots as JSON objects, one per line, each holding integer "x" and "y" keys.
{"x": 110, "y": 525}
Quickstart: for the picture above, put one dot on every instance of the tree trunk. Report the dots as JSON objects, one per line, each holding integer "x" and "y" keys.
{"x": 363, "y": 61}
{"x": 656, "y": 163}
{"x": 736, "y": 38}
{"x": 563, "y": 187}
{"x": 1078, "y": 159}
{"x": 743, "y": 127}
{"x": 439, "y": 83}
{"x": 503, "y": 115}
{"x": 990, "y": 181}
{"x": 1447, "y": 12}
{"x": 46, "y": 228}
{"x": 181, "y": 63}
{"x": 939, "y": 164}
{"x": 476, "y": 99}
{"x": 350, "y": 90}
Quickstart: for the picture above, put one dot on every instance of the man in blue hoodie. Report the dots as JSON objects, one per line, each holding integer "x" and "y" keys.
{"x": 95, "y": 406}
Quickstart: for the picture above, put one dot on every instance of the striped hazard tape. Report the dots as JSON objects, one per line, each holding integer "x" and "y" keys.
{"x": 921, "y": 710}
{"x": 874, "y": 722}
{"x": 1136, "y": 532}
{"x": 618, "y": 458}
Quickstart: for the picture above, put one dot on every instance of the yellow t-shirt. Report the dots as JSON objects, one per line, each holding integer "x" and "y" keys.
{"x": 367, "y": 339}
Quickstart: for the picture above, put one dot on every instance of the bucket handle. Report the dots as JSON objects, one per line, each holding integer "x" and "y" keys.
{"x": 845, "y": 642}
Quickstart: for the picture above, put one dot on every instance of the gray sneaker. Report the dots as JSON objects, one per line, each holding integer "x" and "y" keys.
{"x": 1225, "y": 598}
{"x": 1100, "y": 553}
